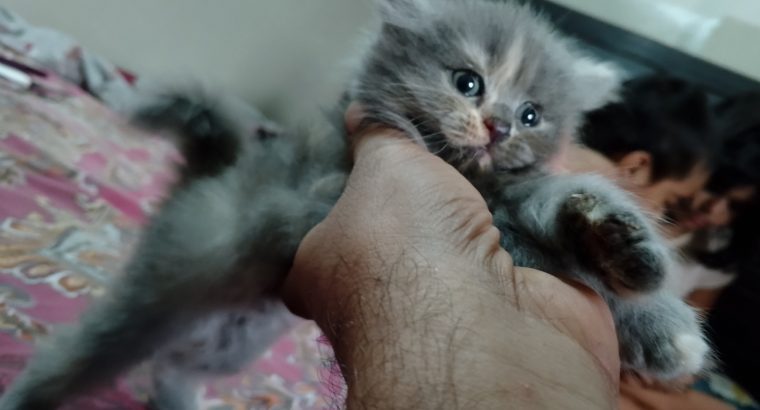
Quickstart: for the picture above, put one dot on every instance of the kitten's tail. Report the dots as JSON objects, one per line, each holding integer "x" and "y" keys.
{"x": 208, "y": 137}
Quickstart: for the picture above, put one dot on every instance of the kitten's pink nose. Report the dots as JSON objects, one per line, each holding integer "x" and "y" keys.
{"x": 498, "y": 129}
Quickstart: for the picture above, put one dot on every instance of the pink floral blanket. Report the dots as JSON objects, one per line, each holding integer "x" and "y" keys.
{"x": 76, "y": 184}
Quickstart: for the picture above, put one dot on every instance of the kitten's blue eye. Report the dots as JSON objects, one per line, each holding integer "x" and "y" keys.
{"x": 529, "y": 115}
{"x": 469, "y": 83}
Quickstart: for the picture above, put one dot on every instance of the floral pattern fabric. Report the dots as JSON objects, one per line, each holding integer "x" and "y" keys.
{"x": 76, "y": 185}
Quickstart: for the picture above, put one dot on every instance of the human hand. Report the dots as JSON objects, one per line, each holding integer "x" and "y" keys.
{"x": 407, "y": 279}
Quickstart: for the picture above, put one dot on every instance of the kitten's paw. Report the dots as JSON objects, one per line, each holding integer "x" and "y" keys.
{"x": 667, "y": 360}
{"x": 660, "y": 337}
{"x": 616, "y": 241}
{"x": 692, "y": 352}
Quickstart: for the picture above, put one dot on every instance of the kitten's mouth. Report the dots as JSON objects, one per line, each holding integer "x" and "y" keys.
{"x": 483, "y": 157}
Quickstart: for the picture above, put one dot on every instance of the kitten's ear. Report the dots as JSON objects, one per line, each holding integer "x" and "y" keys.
{"x": 402, "y": 12}
{"x": 598, "y": 84}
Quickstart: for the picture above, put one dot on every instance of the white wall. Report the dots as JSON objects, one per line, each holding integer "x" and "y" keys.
{"x": 264, "y": 50}
{"x": 724, "y": 32}
{"x": 275, "y": 50}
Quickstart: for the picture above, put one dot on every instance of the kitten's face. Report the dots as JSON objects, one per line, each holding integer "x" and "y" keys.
{"x": 486, "y": 85}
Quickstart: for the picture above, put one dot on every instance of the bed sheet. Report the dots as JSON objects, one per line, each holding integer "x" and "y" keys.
{"x": 76, "y": 185}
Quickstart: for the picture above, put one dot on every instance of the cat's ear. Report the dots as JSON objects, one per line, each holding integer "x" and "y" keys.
{"x": 402, "y": 13}
{"x": 597, "y": 83}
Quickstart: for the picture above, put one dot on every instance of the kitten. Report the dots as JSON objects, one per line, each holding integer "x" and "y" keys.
{"x": 486, "y": 85}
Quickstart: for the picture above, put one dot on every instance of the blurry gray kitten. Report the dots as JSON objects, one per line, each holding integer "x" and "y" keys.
{"x": 486, "y": 85}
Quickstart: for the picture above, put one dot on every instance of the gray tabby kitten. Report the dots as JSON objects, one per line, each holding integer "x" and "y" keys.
{"x": 486, "y": 85}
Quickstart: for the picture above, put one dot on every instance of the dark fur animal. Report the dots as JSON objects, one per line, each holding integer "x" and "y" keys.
{"x": 487, "y": 86}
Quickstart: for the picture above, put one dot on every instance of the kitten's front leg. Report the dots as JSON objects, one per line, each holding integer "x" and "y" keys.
{"x": 660, "y": 336}
{"x": 614, "y": 239}
{"x": 600, "y": 225}
{"x": 587, "y": 218}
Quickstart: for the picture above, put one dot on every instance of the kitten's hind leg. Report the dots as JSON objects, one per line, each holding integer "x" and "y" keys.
{"x": 660, "y": 336}
{"x": 177, "y": 250}
{"x": 173, "y": 388}
{"x": 113, "y": 335}
{"x": 217, "y": 344}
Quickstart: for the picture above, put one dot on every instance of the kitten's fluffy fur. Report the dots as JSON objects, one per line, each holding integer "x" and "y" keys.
{"x": 197, "y": 294}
